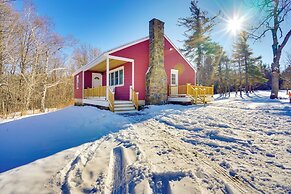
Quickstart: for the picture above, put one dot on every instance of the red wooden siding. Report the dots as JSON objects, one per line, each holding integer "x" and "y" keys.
{"x": 173, "y": 60}
{"x": 78, "y": 92}
{"x": 122, "y": 92}
{"x": 140, "y": 54}
{"x": 88, "y": 79}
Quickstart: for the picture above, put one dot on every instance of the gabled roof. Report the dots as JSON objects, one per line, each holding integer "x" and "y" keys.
{"x": 102, "y": 57}
{"x": 181, "y": 54}
{"x": 106, "y": 53}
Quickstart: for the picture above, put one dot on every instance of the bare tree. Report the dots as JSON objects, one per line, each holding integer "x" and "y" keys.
{"x": 274, "y": 14}
{"x": 83, "y": 54}
{"x": 33, "y": 73}
{"x": 286, "y": 74}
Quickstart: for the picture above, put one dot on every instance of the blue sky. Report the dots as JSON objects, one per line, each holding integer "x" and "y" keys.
{"x": 106, "y": 24}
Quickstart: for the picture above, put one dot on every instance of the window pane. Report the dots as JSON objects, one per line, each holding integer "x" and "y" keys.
{"x": 121, "y": 76}
{"x": 116, "y": 77}
{"x": 111, "y": 79}
{"x": 173, "y": 79}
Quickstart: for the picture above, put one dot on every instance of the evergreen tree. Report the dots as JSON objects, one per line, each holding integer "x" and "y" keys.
{"x": 223, "y": 73}
{"x": 198, "y": 27}
{"x": 247, "y": 64}
{"x": 237, "y": 58}
{"x": 256, "y": 73}
{"x": 286, "y": 78}
{"x": 212, "y": 57}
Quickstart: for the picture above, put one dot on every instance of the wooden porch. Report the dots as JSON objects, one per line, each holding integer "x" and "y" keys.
{"x": 191, "y": 94}
{"x": 97, "y": 97}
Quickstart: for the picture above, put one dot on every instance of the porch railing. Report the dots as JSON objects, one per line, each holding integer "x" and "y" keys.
{"x": 111, "y": 99}
{"x": 197, "y": 93}
{"x": 209, "y": 90}
{"x": 134, "y": 98}
{"x": 99, "y": 91}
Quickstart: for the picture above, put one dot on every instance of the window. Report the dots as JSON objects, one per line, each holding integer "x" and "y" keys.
{"x": 174, "y": 79}
{"x": 116, "y": 77}
{"x": 77, "y": 82}
{"x": 111, "y": 78}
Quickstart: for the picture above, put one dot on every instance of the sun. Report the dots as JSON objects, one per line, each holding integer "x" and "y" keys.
{"x": 235, "y": 25}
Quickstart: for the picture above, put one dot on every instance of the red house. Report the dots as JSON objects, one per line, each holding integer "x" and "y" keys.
{"x": 150, "y": 70}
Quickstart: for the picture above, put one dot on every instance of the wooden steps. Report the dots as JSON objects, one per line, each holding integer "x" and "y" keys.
{"x": 124, "y": 107}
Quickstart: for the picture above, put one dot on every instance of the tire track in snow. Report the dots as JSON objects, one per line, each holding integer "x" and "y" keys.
{"x": 237, "y": 184}
{"x": 71, "y": 175}
{"x": 119, "y": 171}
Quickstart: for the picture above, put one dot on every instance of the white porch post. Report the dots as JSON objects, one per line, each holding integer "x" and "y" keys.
{"x": 132, "y": 80}
{"x": 107, "y": 76}
{"x": 83, "y": 80}
{"x": 132, "y": 74}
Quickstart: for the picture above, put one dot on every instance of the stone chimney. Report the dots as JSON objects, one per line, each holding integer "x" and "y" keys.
{"x": 156, "y": 78}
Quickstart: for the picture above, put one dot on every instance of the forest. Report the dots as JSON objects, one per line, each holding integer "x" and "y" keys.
{"x": 36, "y": 71}
{"x": 243, "y": 70}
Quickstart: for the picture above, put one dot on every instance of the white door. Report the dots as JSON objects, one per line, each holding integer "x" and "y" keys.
{"x": 174, "y": 81}
{"x": 96, "y": 80}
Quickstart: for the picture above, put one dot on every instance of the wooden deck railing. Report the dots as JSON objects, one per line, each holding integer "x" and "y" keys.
{"x": 202, "y": 93}
{"x": 99, "y": 91}
{"x": 134, "y": 98}
{"x": 209, "y": 90}
{"x": 111, "y": 99}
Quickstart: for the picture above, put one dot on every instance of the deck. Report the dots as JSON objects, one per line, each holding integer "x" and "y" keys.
{"x": 120, "y": 106}
{"x": 96, "y": 101}
{"x": 186, "y": 94}
{"x": 103, "y": 97}
{"x": 182, "y": 98}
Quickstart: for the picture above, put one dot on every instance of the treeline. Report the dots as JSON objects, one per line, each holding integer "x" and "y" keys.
{"x": 239, "y": 71}
{"x": 285, "y": 78}
{"x": 35, "y": 71}
{"x": 33, "y": 74}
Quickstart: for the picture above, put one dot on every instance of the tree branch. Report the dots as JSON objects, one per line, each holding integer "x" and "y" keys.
{"x": 281, "y": 46}
{"x": 260, "y": 36}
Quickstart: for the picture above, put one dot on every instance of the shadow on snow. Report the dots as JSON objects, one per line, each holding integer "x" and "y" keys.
{"x": 28, "y": 139}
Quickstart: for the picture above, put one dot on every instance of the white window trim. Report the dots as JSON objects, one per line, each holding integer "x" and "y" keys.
{"x": 114, "y": 70}
{"x": 175, "y": 71}
{"x": 77, "y": 82}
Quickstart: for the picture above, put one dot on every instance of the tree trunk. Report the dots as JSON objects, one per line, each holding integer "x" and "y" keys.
{"x": 275, "y": 64}
{"x": 43, "y": 99}
{"x": 1, "y": 55}
{"x": 240, "y": 78}
{"x": 275, "y": 85}
{"x": 199, "y": 66}
{"x": 247, "y": 75}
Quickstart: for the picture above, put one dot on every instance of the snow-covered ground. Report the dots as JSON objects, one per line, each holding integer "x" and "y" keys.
{"x": 37, "y": 136}
{"x": 234, "y": 145}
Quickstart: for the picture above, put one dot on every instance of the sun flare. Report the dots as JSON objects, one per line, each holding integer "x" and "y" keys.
{"x": 234, "y": 25}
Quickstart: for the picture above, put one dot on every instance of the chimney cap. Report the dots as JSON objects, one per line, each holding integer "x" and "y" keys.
{"x": 156, "y": 20}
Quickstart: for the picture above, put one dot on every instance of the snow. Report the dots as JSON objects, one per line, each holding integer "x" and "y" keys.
{"x": 30, "y": 113}
{"x": 27, "y": 139}
{"x": 234, "y": 145}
